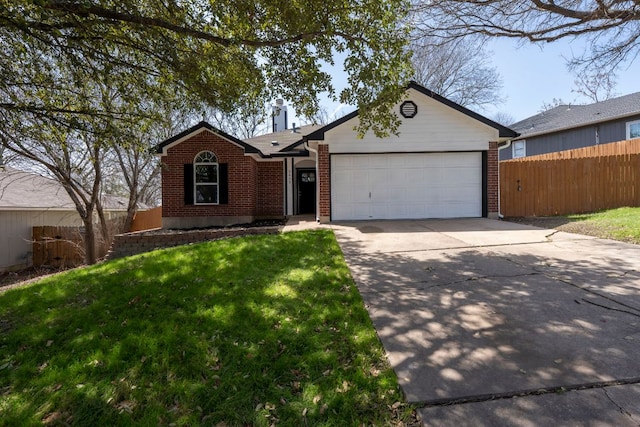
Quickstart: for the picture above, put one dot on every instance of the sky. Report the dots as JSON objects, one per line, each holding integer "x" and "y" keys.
{"x": 532, "y": 75}
{"x": 536, "y": 74}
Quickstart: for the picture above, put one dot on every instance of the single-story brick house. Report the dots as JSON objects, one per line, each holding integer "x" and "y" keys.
{"x": 443, "y": 164}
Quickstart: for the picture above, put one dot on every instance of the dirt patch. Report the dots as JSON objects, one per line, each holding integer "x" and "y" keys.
{"x": 13, "y": 279}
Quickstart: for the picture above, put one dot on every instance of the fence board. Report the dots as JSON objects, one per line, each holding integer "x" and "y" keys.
{"x": 63, "y": 247}
{"x": 573, "y": 181}
{"x": 59, "y": 247}
{"x": 147, "y": 220}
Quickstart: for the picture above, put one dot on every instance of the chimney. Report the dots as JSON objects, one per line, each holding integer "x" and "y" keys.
{"x": 279, "y": 116}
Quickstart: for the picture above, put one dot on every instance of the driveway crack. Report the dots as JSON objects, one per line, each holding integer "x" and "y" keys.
{"x": 635, "y": 312}
{"x": 610, "y": 308}
{"x": 548, "y": 236}
{"x": 530, "y": 392}
{"x": 620, "y": 408}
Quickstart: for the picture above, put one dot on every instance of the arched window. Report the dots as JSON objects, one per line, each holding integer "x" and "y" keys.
{"x": 205, "y": 178}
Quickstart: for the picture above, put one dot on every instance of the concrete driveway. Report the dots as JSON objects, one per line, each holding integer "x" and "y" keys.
{"x": 490, "y": 323}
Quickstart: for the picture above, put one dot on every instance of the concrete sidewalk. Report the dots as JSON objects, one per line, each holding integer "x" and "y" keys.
{"x": 303, "y": 222}
{"x": 474, "y": 310}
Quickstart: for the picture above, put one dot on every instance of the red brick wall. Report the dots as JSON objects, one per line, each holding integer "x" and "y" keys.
{"x": 242, "y": 178}
{"x": 492, "y": 178}
{"x": 270, "y": 189}
{"x": 324, "y": 181}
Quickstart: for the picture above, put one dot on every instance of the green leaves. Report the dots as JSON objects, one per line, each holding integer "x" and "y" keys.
{"x": 211, "y": 51}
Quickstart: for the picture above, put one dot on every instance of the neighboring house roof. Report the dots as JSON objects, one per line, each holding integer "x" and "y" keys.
{"x": 21, "y": 190}
{"x": 565, "y": 117}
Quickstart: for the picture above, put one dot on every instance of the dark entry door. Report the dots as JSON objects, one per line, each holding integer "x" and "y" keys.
{"x": 306, "y": 191}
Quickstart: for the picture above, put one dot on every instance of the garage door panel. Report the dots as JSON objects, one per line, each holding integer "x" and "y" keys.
{"x": 413, "y": 185}
{"x": 353, "y": 211}
{"x": 353, "y": 185}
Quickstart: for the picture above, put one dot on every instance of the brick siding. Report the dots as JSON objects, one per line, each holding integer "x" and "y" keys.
{"x": 270, "y": 189}
{"x": 255, "y": 188}
{"x": 324, "y": 181}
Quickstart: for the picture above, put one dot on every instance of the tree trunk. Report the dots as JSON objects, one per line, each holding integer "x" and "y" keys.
{"x": 89, "y": 241}
{"x": 128, "y": 221}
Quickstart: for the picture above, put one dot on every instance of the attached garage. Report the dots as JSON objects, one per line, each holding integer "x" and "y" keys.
{"x": 406, "y": 185}
{"x": 441, "y": 163}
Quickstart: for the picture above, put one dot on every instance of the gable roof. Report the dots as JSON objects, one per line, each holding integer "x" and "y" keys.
{"x": 503, "y": 131}
{"x": 20, "y": 190}
{"x": 564, "y": 117}
{"x": 283, "y": 139}
{"x": 293, "y": 141}
{"x": 161, "y": 147}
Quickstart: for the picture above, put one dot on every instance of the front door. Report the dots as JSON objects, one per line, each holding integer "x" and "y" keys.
{"x": 306, "y": 191}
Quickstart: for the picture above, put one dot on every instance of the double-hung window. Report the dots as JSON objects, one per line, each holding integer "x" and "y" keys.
{"x": 205, "y": 179}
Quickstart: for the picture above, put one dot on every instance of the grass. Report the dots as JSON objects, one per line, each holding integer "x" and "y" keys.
{"x": 619, "y": 224}
{"x": 263, "y": 330}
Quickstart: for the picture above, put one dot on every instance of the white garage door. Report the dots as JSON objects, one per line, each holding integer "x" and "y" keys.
{"x": 406, "y": 186}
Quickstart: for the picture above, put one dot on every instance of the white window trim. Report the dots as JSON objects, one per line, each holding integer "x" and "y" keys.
{"x": 524, "y": 149}
{"x": 196, "y": 184}
{"x": 629, "y": 124}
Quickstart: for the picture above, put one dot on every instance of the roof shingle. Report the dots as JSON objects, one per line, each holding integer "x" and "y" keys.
{"x": 572, "y": 116}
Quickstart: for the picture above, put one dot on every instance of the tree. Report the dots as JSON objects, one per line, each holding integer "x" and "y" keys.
{"x": 136, "y": 175}
{"x": 457, "y": 70}
{"x": 321, "y": 117}
{"x": 503, "y": 118}
{"x": 596, "y": 86}
{"x": 555, "y": 102}
{"x": 94, "y": 111}
{"x": 133, "y": 167}
{"x": 77, "y": 77}
{"x": 217, "y": 51}
{"x": 245, "y": 122}
{"x": 611, "y": 27}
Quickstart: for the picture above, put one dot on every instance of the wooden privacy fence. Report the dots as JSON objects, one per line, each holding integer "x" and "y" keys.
{"x": 573, "y": 181}
{"x": 63, "y": 247}
{"x": 147, "y": 220}
{"x": 58, "y": 247}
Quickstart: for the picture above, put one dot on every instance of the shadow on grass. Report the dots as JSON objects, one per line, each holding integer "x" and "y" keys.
{"x": 259, "y": 330}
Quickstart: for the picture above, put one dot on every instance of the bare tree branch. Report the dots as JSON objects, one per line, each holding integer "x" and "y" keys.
{"x": 457, "y": 70}
{"x": 612, "y": 27}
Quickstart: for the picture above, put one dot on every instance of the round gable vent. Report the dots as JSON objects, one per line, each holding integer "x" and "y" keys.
{"x": 408, "y": 109}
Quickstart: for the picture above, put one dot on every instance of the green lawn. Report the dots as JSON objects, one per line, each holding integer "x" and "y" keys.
{"x": 264, "y": 330}
{"x": 619, "y": 224}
